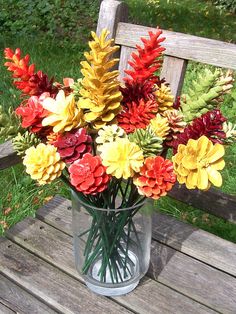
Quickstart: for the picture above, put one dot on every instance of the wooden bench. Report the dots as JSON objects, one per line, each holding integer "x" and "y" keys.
{"x": 191, "y": 271}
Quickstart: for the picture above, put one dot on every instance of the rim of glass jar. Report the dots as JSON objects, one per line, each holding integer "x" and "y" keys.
{"x": 74, "y": 194}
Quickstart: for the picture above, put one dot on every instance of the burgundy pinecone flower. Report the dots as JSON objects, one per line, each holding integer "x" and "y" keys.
{"x": 73, "y": 145}
{"x": 209, "y": 124}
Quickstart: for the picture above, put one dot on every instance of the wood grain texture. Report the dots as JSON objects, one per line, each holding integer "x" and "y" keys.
{"x": 111, "y": 13}
{"x": 57, "y": 213}
{"x": 125, "y": 56}
{"x": 173, "y": 70}
{"x": 62, "y": 292}
{"x": 196, "y": 243}
{"x": 174, "y": 269}
{"x": 213, "y": 201}
{"x": 37, "y": 237}
{"x": 182, "y": 46}
{"x": 8, "y": 156}
{"x": 193, "y": 278}
{"x": 5, "y": 309}
{"x": 181, "y": 236}
{"x": 19, "y": 300}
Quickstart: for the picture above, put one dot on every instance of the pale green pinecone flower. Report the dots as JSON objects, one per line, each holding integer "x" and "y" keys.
{"x": 9, "y": 124}
{"x": 76, "y": 87}
{"x": 24, "y": 141}
{"x": 146, "y": 139}
{"x": 109, "y": 134}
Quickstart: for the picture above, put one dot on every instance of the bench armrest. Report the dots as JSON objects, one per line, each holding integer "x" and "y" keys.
{"x": 8, "y": 156}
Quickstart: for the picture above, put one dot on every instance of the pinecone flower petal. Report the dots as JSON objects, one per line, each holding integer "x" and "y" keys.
{"x": 197, "y": 163}
{"x": 156, "y": 177}
{"x": 43, "y": 163}
{"x": 88, "y": 175}
{"x": 160, "y": 126}
{"x": 32, "y": 113}
{"x": 122, "y": 158}
{"x": 150, "y": 144}
{"x": 100, "y": 92}
{"x": 73, "y": 145}
{"x": 63, "y": 113}
{"x": 137, "y": 115}
{"x": 164, "y": 98}
{"x": 209, "y": 124}
{"x": 176, "y": 122}
{"x": 22, "y": 142}
{"x": 29, "y": 82}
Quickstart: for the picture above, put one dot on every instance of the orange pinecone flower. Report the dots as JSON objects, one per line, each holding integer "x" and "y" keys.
{"x": 156, "y": 177}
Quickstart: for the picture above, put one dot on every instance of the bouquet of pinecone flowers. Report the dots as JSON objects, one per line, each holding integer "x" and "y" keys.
{"x": 108, "y": 139}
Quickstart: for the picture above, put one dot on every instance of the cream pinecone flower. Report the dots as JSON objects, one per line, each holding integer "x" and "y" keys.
{"x": 175, "y": 120}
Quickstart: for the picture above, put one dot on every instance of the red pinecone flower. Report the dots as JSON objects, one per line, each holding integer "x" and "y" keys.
{"x": 29, "y": 82}
{"x": 88, "y": 175}
{"x": 209, "y": 124}
{"x": 145, "y": 62}
{"x": 32, "y": 113}
{"x": 156, "y": 177}
{"x": 73, "y": 145}
{"x": 137, "y": 115}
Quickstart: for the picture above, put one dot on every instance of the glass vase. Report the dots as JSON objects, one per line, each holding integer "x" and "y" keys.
{"x": 111, "y": 246}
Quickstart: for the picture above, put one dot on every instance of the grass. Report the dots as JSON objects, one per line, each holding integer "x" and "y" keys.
{"x": 20, "y": 197}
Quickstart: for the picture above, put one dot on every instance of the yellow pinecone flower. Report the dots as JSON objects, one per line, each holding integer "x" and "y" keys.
{"x": 122, "y": 158}
{"x": 43, "y": 163}
{"x": 160, "y": 126}
{"x": 100, "y": 92}
{"x": 197, "y": 163}
{"x": 164, "y": 98}
{"x": 64, "y": 115}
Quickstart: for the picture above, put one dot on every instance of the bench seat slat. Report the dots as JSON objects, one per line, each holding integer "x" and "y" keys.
{"x": 8, "y": 156}
{"x": 19, "y": 300}
{"x": 195, "y": 242}
{"x": 62, "y": 292}
{"x": 170, "y": 266}
{"x": 182, "y": 46}
{"x": 183, "y": 237}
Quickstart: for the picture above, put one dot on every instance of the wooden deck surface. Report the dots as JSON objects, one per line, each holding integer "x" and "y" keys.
{"x": 191, "y": 271}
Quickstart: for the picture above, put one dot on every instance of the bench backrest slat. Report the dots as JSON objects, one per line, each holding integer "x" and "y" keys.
{"x": 173, "y": 70}
{"x": 182, "y": 46}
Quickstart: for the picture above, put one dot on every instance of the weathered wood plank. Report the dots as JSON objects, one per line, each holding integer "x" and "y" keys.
{"x": 173, "y": 70}
{"x": 125, "y": 56}
{"x": 8, "y": 156}
{"x": 194, "y": 242}
{"x": 111, "y": 13}
{"x": 5, "y": 309}
{"x": 183, "y": 237}
{"x": 213, "y": 201}
{"x": 19, "y": 300}
{"x": 57, "y": 213}
{"x": 172, "y": 268}
{"x": 37, "y": 237}
{"x": 182, "y": 46}
{"x": 62, "y": 292}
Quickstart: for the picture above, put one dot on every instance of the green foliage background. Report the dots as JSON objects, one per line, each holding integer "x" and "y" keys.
{"x": 51, "y": 18}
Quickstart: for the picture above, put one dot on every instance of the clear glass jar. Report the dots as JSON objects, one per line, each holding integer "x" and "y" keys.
{"x": 111, "y": 246}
